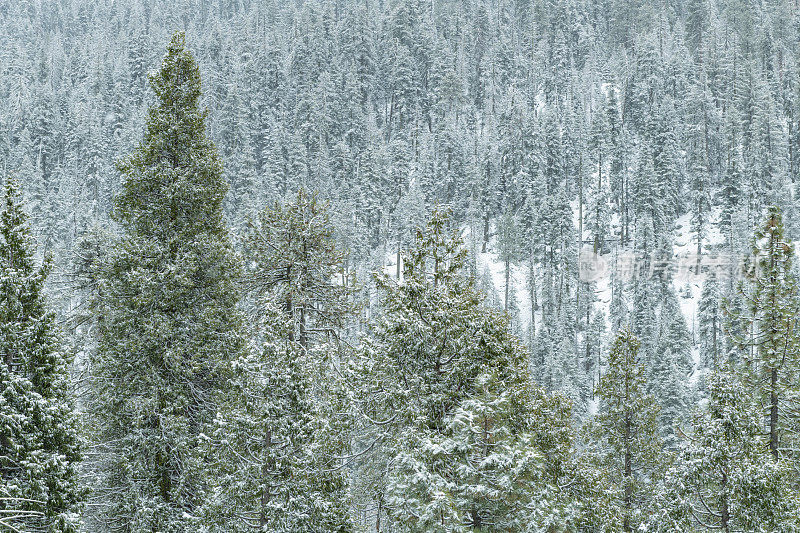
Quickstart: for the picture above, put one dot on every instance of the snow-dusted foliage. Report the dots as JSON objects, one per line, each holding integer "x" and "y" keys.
{"x": 276, "y": 329}
{"x": 626, "y": 433}
{"x": 169, "y": 326}
{"x": 465, "y": 438}
{"x": 267, "y": 461}
{"x": 39, "y": 450}
{"x": 723, "y": 477}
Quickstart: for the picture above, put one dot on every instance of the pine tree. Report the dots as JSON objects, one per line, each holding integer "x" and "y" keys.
{"x": 299, "y": 288}
{"x": 627, "y": 430}
{"x": 731, "y": 194}
{"x": 268, "y": 462}
{"x": 597, "y": 217}
{"x": 481, "y": 474}
{"x": 768, "y": 337}
{"x": 39, "y": 447}
{"x": 710, "y": 335}
{"x": 169, "y": 326}
{"x": 423, "y": 364}
{"x": 508, "y": 243}
{"x": 409, "y": 215}
{"x": 696, "y": 25}
{"x": 723, "y": 478}
{"x": 669, "y": 370}
{"x": 292, "y": 258}
{"x": 700, "y": 202}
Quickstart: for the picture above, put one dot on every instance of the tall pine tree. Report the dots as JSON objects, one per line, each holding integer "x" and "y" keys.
{"x": 169, "y": 324}
{"x": 438, "y": 367}
{"x": 769, "y": 338}
{"x": 627, "y": 430}
{"x": 723, "y": 479}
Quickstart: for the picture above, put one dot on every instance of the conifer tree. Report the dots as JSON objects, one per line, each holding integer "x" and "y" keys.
{"x": 768, "y": 337}
{"x": 39, "y": 447}
{"x": 267, "y": 457}
{"x": 169, "y": 326}
{"x": 700, "y": 203}
{"x": 429, "y": 364}
{"x": 627, "y": 430}
{"x": 508, "y": 243}
{"x": 409, "y": 215}
{"x": 723, "y": 478}
{"x": 710, "y": 324}
{"x": 299, "y": 291}
{"x": 597, "y": 217}
{"x": 670, "y": 368}
{"x": 293, "y": 259}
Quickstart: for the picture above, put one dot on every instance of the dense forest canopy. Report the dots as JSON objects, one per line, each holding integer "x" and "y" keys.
{"x": 399, "y": 265}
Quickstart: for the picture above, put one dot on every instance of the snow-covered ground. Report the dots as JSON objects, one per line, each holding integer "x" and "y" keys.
{"x": 688, "y": 283}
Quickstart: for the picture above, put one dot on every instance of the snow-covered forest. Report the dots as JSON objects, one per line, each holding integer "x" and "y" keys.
{"x": 356, "y": 266}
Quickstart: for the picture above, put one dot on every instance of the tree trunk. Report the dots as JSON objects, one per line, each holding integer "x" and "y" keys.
{"x": 725, "y": 516}
{"x": 477, "y": 524}
{"x": 485, "y": 232}
{"x": 628, "y": 484}
{"x": 508, "y": 268}
{"x": 265, "y": 496}
{"x": 378, "y": 518}
{"x": 399, "y": 260}
{"x": 773, "y": 413}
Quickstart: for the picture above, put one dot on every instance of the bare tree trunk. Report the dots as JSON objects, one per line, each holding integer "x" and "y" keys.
{"x": 508, "y": 268}
{"x": 378, "y": 518}
{"x": 628, "y": 481}
{"x": 725, "y": 515}
{"x": 773, "y": 413}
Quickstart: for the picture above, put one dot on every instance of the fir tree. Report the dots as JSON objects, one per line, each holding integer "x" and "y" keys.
{"x": 293, "y": 259}
{"x": 597, "y": 217}
{"x": 508, "y": 243}
{"x": 670, "y": 368}
{"x": 423, "y": 364}
{"x": 481, "y": 474}
{"x": 299, "y": 288}
{"x": 39, "y": 447}
{"x": 169, "y": 325}
{"x": 267, "y": 458}
{"x": 710, "y": 334}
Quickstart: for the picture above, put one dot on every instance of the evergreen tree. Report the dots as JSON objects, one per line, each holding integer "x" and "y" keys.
{"x": 299, "y": 287}
{"x": 723, "y": 478}
{"x": 508, "y": 237}
{"x": 700, "y": 204}
{"x": 627, "y": 431}
{"x": 427, "y": 364}
{"x": 169, "y": 326}
{"x": 39, "y": 447}
{"x": 670, "y": 368}
{"x": 409, "y": 214}
{"x": 709, "y": 319}
{"x": 480, "y": 474}
{"x": 268, "y": 462}
{"x": 768, "y": 336}
{"x": 293, "y": 259}
{"x": 597, "y": 216}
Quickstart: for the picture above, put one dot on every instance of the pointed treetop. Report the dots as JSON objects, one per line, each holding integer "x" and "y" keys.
{"x": 177, "y": 83}
{"x": 173, "y": 182}
{"x": 435, "y": 253}
{"x": 16, "y": 243}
